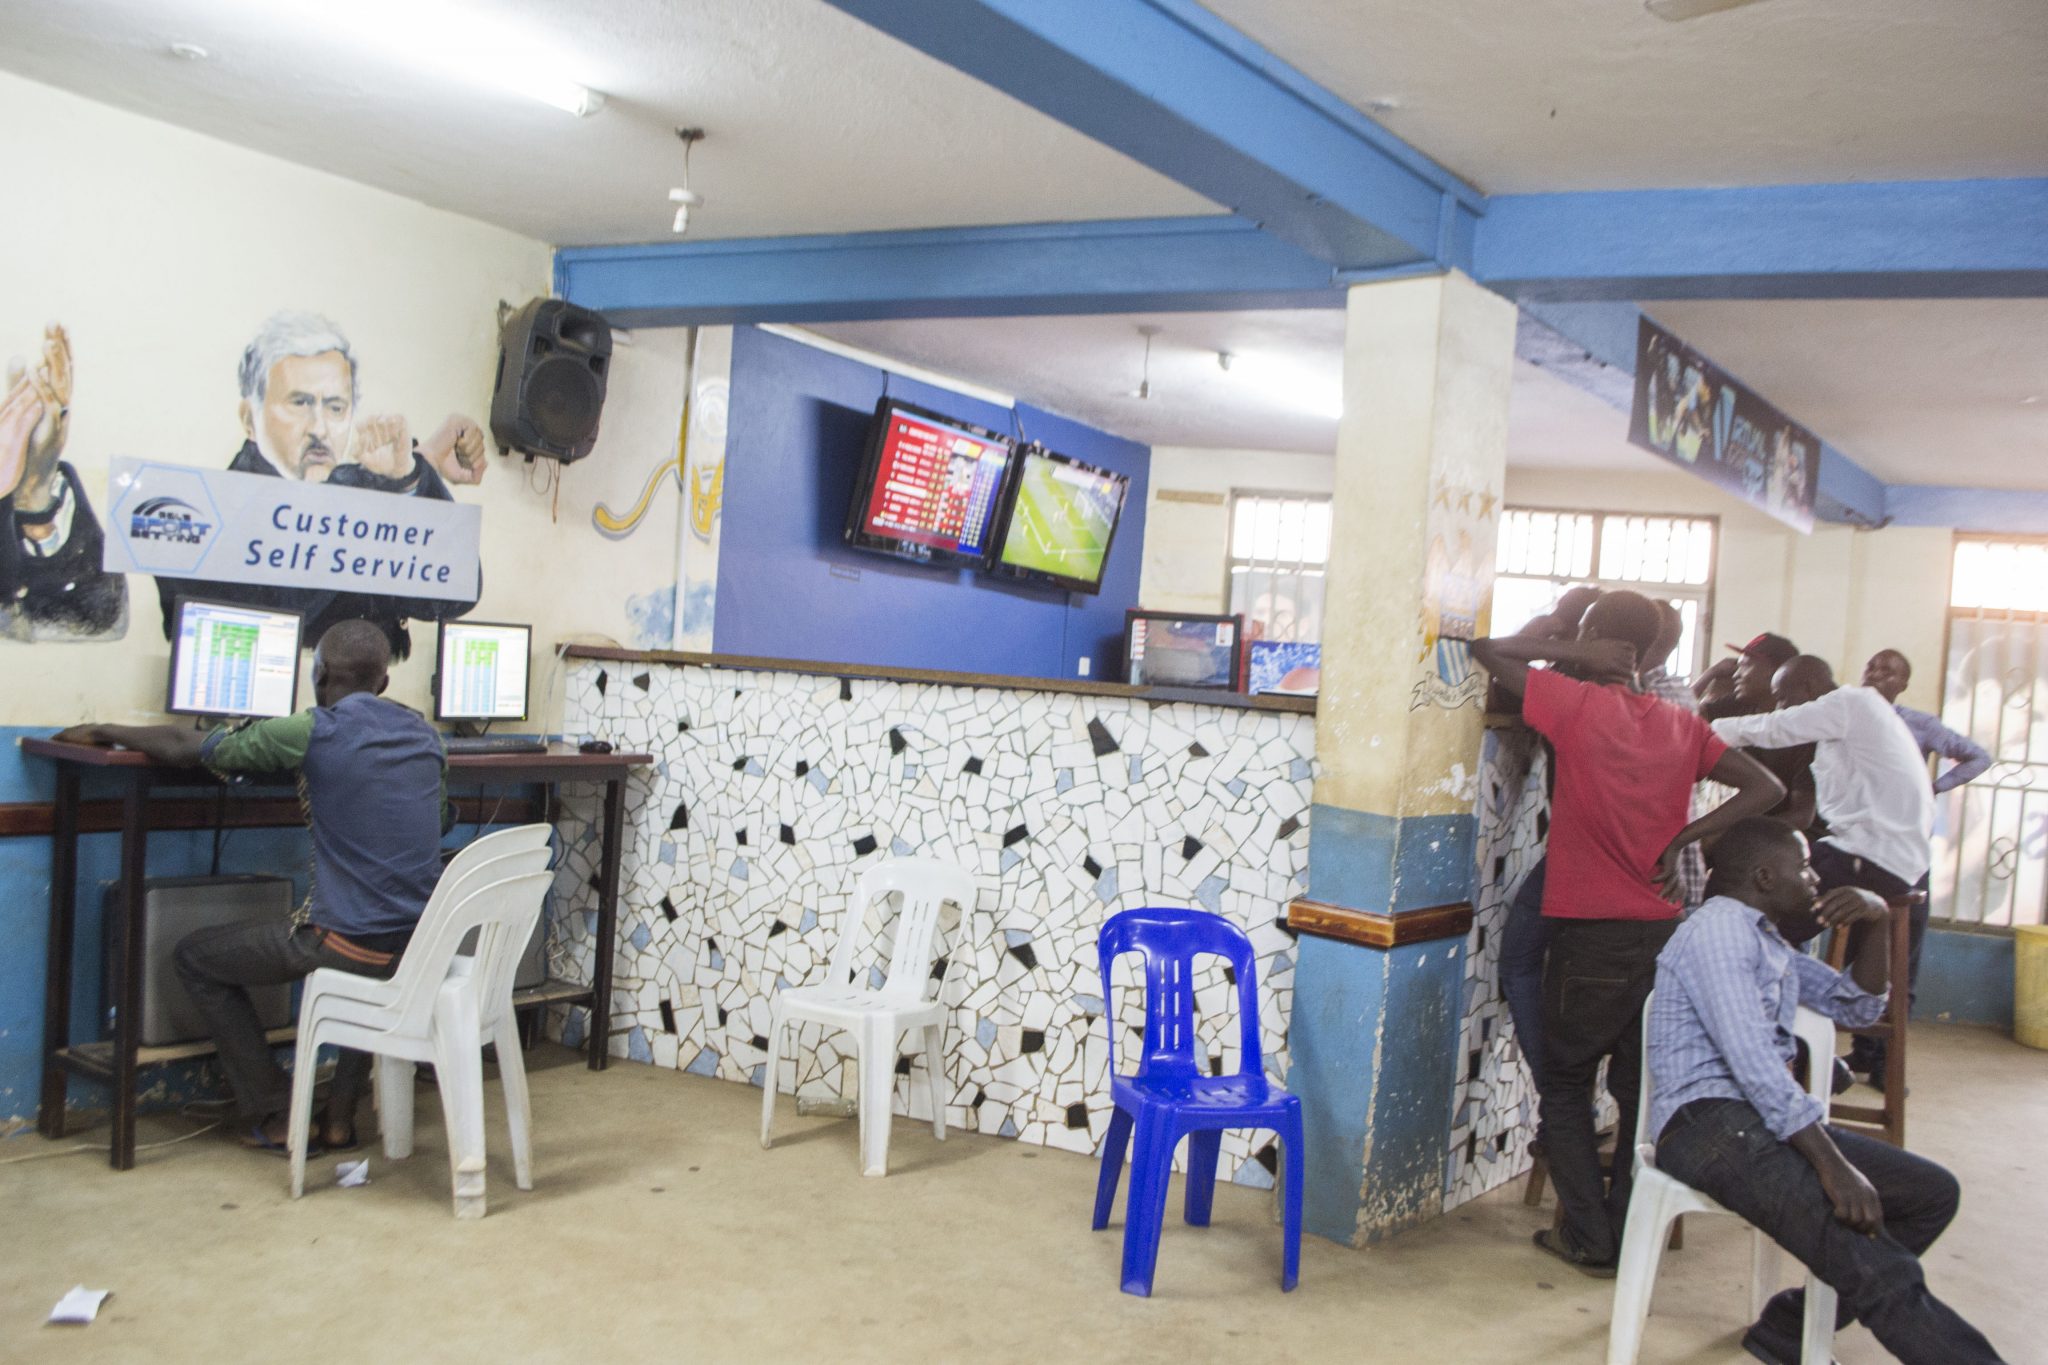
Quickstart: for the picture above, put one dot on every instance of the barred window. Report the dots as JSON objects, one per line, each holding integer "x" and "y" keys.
{"x": 1542, "y": 552}
{"x": 1279, "y": 553}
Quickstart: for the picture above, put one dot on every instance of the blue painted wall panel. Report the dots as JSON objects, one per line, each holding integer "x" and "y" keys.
{"x": 788, "y": 585}
{"x": 1965, "y": 979}
{"x": 25, "y": 908}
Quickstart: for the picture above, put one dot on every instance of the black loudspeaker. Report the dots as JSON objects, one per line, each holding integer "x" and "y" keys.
{"x": 553, "y": 358}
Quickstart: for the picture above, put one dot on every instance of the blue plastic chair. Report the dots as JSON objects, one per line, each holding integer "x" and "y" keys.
{"x": 1171, "y": 1097}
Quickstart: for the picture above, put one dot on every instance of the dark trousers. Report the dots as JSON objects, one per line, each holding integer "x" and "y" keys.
{"x": 218, "y": 963}
{"x": 1837, "y": 868}
{"x": 1597, "y": 977}
{"x": 1524, "y": 939}
{"x": 1722, "y": 1149}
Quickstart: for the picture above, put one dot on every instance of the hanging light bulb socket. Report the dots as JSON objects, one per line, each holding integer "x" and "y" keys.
{"x": 1144, "y": 389}
{"x": 682, "y": 196}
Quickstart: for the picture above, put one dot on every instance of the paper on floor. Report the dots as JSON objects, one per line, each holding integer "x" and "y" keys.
{"x": 79, "y": 1306}
{"x": 349, "y": 1174}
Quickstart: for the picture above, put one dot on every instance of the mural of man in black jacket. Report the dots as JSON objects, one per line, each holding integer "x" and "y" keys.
{"x": 300, "y": 389}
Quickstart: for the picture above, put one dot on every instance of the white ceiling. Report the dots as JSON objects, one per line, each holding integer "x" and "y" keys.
{"x": 816, "y": 122}
{"x": 819, "y": 124}
{"x": 1915, "y": 391}
{"x": 1086, "y": 367}
{"x": 1523, "y": 95}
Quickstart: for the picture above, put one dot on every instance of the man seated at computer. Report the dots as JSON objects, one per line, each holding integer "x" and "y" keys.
{"x": 373, "y": 778}
{"x": 1731, "y": 1122}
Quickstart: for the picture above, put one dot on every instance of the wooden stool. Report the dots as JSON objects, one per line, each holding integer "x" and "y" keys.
{"x": 1887, "y": 1120}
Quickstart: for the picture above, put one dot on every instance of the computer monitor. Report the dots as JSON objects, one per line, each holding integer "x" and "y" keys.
{"x": 482, "y": 671}
{"x": 232, "y": 660}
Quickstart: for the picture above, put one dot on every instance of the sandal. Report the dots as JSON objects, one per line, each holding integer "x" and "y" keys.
{"x": 256, "y": 1140}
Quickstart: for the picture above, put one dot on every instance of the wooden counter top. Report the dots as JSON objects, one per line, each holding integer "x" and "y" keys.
{"x": 1156, "y": 696}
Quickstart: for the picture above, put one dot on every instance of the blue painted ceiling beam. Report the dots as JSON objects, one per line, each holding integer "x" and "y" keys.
{"x": 1592, "y": 346}
{"x": 1910, "y": 239}
{"x": 1171, "y": 86}
{"x": 1131, "y": 266}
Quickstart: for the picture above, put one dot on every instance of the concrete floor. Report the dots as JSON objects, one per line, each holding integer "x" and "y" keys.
{"x": 659, "y": 1230}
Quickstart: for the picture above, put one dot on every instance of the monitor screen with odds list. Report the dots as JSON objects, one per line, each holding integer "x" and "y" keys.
{"x": 483, "y": 670}
{"x": 228, "y": 660}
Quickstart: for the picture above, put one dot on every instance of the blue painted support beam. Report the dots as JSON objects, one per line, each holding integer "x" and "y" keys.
{"x": 1171, "y": 86}
{"x": 1910, "y": 239}
{"x": 2004, "y": 510}
{"x": 1147, "y": 265}
{"x": 1592, "y": 346}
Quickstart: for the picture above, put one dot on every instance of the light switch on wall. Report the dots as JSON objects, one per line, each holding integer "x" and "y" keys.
{"x": 1086, "y": 664}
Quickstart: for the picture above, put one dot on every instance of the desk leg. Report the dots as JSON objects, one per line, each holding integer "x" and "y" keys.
{"x": 124, "y": 985}
{"x": 57, "y": 972}
{"x": 607, "y": 925}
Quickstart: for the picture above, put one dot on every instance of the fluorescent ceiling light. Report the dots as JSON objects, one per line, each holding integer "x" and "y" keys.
{"x": 1676, "y": 11}
{"x": 1289, "y": 383}
{"x": 460, "y": 40}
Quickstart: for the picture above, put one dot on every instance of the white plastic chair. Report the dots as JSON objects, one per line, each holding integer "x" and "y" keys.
{"x": 877, "y": 1018}
{"x": 507, "y": 853}
{"x": 1658, "y": 1200}
{"x": 431, "y": 1012}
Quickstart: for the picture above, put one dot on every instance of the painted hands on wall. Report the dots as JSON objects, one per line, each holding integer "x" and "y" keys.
{"x": 35, "y": 416}
{"x": 384, "y": 447}
{"x": 456, "y": 450}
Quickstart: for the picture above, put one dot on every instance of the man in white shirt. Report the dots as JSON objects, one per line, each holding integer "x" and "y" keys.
{"x": 1869, "y": 779}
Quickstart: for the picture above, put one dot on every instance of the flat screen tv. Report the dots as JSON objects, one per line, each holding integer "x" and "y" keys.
{"x": 929, "y": 486}
{"x": 1058, "y": 521}
{"x": 1176, "y": 649}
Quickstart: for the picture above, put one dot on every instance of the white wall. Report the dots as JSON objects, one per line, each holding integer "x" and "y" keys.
{"x": 1187, "y": 517}
{"x": 1840, "y": 593}
{"x": 162, "y": 252}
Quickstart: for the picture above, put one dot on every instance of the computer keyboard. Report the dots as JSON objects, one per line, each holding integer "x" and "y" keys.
{"x": 495, "y": 744}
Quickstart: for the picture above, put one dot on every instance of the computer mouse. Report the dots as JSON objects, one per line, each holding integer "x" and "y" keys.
{"x": 594, "y": 746}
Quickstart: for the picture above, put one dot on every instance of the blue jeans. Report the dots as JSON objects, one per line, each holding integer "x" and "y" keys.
{"x": 1524, "y": 939}
{"x": 1722, "y": 1149}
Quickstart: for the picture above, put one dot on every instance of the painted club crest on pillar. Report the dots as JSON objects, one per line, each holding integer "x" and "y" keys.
{"x": 1457, "y": 594}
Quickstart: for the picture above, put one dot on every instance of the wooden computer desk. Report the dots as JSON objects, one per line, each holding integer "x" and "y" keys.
{"x": 115, "y": 1064}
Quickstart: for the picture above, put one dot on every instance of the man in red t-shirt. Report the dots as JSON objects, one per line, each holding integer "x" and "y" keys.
{"x": 1626, "y": 765}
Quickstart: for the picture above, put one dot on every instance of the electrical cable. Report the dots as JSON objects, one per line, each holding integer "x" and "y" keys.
{"x": 90, "y": 1147}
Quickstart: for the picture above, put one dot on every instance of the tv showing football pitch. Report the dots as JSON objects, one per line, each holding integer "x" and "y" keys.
{"x": 1062, "y": 520}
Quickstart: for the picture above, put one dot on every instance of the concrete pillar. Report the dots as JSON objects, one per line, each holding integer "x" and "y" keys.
{"x": 1421, "y": 455}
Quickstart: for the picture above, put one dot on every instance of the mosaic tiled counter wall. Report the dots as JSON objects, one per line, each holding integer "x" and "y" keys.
{"x": 773, "y": 789}
{"x": 1495, "y": 1102}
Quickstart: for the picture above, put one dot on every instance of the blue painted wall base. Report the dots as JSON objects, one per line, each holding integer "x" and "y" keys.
{"x": 1373, "y": 1043}
{"x": 1965, "y": 979}
{"x": 1388, "y": 864}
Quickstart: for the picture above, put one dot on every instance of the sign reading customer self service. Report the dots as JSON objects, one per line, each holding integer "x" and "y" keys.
{"x": 179, "y": 522}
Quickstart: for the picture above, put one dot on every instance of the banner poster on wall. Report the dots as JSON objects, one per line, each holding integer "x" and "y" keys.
{"x": 176, "y": 521}
{"x": 1691, "y": 413}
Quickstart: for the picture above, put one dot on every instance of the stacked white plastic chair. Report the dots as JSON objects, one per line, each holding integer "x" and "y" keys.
{"x": 906, "y": 999}
{"x": 441, "y": 1006}
{"x": 1658, "y": 1200}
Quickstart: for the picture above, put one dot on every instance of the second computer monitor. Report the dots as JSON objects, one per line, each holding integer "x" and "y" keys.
{"x": 483, "y": 671}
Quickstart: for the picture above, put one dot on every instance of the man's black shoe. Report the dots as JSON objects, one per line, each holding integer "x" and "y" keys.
{"x": 1773, "y": 1348}
{"x": 1552, "y": 1241}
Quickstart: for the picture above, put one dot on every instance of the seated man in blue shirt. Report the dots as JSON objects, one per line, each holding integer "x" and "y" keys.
{"x": 1731, "y": 1122}
{"x": 373, "y": 780}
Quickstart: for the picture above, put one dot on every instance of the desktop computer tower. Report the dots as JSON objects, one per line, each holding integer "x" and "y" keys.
{"x": 172, "y": 908}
